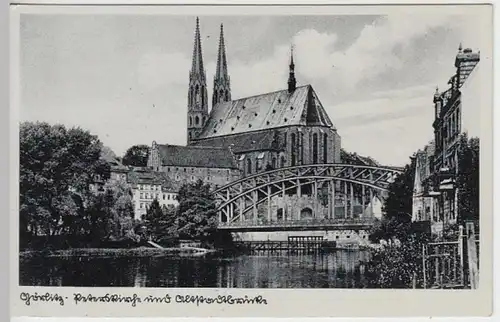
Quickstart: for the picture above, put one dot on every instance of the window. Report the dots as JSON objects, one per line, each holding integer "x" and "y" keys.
{"x": 260, "y": 158}
{"x": 196, "y": 120}
{"x": 185, "y": 169}
{"x": 315, "y": 148}
{"x": 249, "y": 166}
{"x": 283, "y": 161}
{"x": 293, "y": 146}
{"x": 141, "y": 205}
{"x": 163, "y": 196}
{"x": 142, "y": 196}
{"x": 273, "y": 162}
{"x": 168, "y": 196}
{"x": 325, "y": 148}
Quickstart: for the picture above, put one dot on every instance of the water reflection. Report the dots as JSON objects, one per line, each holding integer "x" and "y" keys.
{"x": 342, "y": 269}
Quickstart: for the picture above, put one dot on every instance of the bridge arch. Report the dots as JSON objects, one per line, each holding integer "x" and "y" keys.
{"x": 337, "y": 185}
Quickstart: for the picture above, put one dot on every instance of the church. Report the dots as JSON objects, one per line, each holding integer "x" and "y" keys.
{"x": 244, "y": 136}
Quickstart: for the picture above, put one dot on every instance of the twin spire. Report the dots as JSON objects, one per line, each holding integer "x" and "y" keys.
{"x": 197, "y": 64}
{"x": 222, "y": 88}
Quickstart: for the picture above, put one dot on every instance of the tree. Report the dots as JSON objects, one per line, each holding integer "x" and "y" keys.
{"x": 160, "y": 222}
{"x": 136, "y": 155}
{"x": 468, "y": 179}
{"x": 397, "y": 209}
{"x": 197, "y": 211}
{"x": 57, "y": 166}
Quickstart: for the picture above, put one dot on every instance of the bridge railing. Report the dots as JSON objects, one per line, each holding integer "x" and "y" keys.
{"x": 298, "y": 223}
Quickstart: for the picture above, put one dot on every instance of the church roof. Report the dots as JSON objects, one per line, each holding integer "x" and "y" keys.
{"x": 266, "y": 111}
{"x": 196, "y": 156}
{"x": 243, "y": 142}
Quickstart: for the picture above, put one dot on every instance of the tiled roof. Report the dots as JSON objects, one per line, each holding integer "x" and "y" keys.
{"x": 152, "y": 177}
{"x": 266, "y": 111}
{"x": 244, "y": 142}
{"x": 196, "y": 156}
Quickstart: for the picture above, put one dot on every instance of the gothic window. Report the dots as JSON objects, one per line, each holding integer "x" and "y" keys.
{"x": 196, "y": 120}
{"x": 282, "y": 161}
{"x": 293, "y": 146}
{"x": 273, "y": 163}
{"x": 249, "y": 166}
{"x": 325, "y": 148}
{"x": 221, "y": 95}
{"x": 227, "y": 96}
{"x": 301, "y": 147}
{"x": 315, "y": 148}
{"x": 190, "y": 121}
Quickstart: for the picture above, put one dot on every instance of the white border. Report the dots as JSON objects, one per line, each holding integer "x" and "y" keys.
{"x": 343, "y": 302}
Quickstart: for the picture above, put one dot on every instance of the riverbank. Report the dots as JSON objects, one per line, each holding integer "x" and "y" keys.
{"x": 115, "y": 252}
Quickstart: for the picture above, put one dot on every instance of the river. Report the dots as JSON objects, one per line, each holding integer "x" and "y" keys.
{"x": 339, "y": 269}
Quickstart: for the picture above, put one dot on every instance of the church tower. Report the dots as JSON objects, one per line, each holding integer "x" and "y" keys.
{"x": 292, "y": 82}
{"x": 197, "y": 112}
{"x": 222, "y": 87}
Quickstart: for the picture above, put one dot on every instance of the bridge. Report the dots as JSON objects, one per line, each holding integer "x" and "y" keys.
{"x": 304, "y": 197}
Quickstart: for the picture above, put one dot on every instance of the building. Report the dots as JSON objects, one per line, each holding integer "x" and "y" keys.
{"x": 271, "y": 130}
{"x": 451, "y": 119}
{"x": 244, "y": 136}
{"x": 423, "y": 201}
{"x": 184, "y": 164}
{"x": 149, "y": 185}
{"x": 447, "y": 129}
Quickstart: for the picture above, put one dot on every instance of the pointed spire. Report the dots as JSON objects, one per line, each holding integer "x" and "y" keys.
{"x": 197, "y": 64}
{"x": 292, "y": 82}
{"x": 221, "y": 71}
{"x": 222, "y": 87}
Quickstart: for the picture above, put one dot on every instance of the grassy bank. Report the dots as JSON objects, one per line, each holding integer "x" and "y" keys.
{"x": 108, "y": 252}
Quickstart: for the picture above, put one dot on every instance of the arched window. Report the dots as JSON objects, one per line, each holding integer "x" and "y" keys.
{"x": 315, "y": 148}
{"x": 282, "y": 161}
{"x": 325, "y": 148}
{"x": 249, "y": 166}
{"x": 221, "y": 95}
{"x": 196, "y": 120}
{"x": 227, "y": 96}
{"x": 190, "y": 121}
{"x": 294, "y": 148}
{"x": 301, "y": 147}
{"x": 273, "y": 163}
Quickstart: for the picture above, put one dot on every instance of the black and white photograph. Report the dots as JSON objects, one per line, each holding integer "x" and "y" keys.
{"x": 271, "y": 151}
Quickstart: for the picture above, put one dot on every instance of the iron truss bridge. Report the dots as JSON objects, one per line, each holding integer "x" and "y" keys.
{"x": 293, "y": 196}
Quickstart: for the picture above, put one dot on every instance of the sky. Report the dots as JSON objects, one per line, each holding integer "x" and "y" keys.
{"x": 125, "y": 77}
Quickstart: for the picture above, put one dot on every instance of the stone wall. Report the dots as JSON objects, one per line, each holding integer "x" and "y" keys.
{"x": 342, "y": 237}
